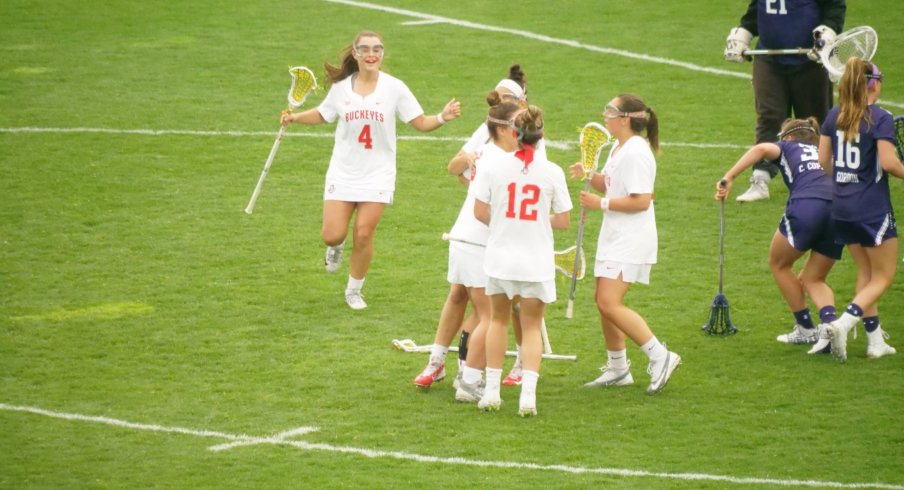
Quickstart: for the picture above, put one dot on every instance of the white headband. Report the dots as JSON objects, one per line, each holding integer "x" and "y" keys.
{"x": 511, "y": 85}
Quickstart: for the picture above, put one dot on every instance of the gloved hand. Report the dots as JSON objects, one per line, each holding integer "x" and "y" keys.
{"x": 823, "y": 36}
{"x": 736, "y": 43}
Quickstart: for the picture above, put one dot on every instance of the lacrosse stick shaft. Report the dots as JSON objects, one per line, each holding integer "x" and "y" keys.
{"x": 569, "y": 309}
{"x": 721, "y": 241}
{"x": 260, "y": 182}
{"x": 449, "y": 238}
{"x": 776, "y": 52}
{"x": 547, "y": 347}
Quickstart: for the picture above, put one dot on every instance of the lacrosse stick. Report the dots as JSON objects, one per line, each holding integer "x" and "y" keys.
{"x": 719, "y": 320}
{"x": 859, "y": 41}
{"x": 594, "y": 138}
{"x": 567, "y": 261}
{"x": 899, "y": 137}
{"x": 303, "y": 82}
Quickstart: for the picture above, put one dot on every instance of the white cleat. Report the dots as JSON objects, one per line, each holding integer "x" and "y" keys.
{"x": 823, "y": 343}
{"x": 490, "y": 402}
{"x": 758, "y": 191}
{"x": 878, "y": 348}
{"x": 612, "y": 377}
{"x": 838, "y": 337}
{"x": 527, "y": 405}
{"x": 355, "y": 300}
{"x": 469, "y": 392}
{"x": 660, "y": 371}
{"x": 799, "y": 335}
{"x": 333, "y": 259}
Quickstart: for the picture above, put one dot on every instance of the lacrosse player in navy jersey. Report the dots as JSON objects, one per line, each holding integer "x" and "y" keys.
{"x": 628, "y": 242}
{"x": 857, "y": 148}
{"x": 466, "y": 277}
{"x": 362, "y": 171}
{"x": 806, "y": 225}
{"x": 514, "y": 193}
{"x": 788, "y": 82}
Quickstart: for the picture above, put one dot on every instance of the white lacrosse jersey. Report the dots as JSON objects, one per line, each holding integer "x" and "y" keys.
{"x": 520, "y": 242}
{"x": 629, "y": 238}
{"x": 467, "y": 227}
{"x": 364, "y": 151}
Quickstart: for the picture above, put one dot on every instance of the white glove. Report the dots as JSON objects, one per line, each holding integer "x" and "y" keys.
{"x": 736, "y": 43}
{"x": 823, "y": 36}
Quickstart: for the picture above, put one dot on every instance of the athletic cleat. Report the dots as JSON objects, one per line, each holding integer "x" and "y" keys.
{"x": 514, "y": 377}
{"x": 758, "y": 191}
{"x": 799, "y": 335}
{"x": 490, "y": 402}
{"x": 469, "y": 392}
{"x": 838, "y": 337}
{"x": 660, "y": 372}
{"x": 527, "y": 404}
{"x": 333, "y": 258}
{"x": 434, "y": 372}
{"x": 355, "y": 300}
{"x": 823, "y": 343}
{"x": 878, "y": 348}
{"x": 612, "y": 377}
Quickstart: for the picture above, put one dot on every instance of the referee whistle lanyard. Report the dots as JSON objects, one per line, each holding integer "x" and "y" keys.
{"x": 526, "y": 155}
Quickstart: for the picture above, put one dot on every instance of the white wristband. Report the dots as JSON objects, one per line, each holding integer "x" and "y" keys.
{"x": 604, "y": 204}
{"x": 439, "y": 118}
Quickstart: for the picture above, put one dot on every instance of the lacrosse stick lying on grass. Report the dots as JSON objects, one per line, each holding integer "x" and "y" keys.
{"x": 594, "y": 138}
{"x": 303, "y": 82}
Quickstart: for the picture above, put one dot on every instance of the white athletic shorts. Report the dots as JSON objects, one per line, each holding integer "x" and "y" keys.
{"x": 339, "y": 192}
{"x": 629, "y": 272}
{"x": 544, "y": 291}
{"x": 466, "y": 265}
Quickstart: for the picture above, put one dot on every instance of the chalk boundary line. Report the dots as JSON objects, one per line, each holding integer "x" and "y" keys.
{"x": 559, "y": 145}
{"x": 427, "y": 19}
{"x": 283, "y": 439}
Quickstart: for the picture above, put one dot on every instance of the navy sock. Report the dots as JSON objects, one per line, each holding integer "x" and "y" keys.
{"x": 871, "y": 323}
{"x": 827, "y": 314}
{"x": 854, "y": 309}
{"x": 803, "y": 318}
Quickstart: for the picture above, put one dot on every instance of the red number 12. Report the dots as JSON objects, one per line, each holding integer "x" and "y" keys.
{"x": 533, "y": 196}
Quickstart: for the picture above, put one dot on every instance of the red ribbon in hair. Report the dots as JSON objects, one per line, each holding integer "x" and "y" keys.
{"x": 526, "y": 155}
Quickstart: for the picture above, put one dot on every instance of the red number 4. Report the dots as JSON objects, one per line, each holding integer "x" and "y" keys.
{"x": 533, "y": 196}
{"x": 365, "y": 138}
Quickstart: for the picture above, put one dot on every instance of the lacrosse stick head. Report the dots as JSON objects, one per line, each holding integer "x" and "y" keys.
{"x": 568, "y": 261}
{"x": 594, "y": 137}
{"x": 719, "y": 319}
{"x": 303, "y": 82}
{"x": 899, "y": 137}
{"x": 860, "y": 42}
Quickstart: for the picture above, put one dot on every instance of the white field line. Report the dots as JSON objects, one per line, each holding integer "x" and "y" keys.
{"x": 559, "y": 145}
{"x": 282, "y": 439}
{"x": 434, "y": 19}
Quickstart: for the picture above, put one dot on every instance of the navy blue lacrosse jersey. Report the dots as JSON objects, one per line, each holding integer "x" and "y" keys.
{"x": 786, "y": 24}
{"x": 802, "y": 173}
{"x": 860, "y": 184}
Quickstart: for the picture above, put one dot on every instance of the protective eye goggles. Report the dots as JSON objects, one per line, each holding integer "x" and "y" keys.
{"x": 364, "y": 50}
{"x": 612, "y": 112}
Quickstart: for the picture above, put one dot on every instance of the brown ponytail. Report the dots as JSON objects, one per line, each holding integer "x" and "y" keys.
{"x": 853, "y": 98}
{"x": 649, "y": 123}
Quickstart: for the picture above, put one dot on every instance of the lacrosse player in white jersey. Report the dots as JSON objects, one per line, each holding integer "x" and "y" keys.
{"x": 627, "y": 246}
{"x": 514, "y": 193}
{"x": 360, "y": 180}
{"x": 466, "y": 277}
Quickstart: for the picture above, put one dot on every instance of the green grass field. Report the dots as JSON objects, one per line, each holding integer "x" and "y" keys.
{"x": 146, "y": 321}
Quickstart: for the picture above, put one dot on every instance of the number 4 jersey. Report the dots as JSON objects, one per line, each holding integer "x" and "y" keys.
{"x": 860, "y": 184}
{"x": 364, "y": 151}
